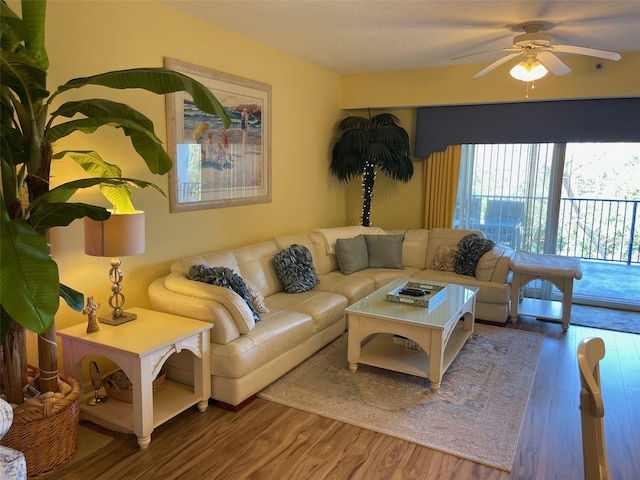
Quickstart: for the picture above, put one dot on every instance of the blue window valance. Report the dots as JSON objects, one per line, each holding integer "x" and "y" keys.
{"x": 558, "y": 121}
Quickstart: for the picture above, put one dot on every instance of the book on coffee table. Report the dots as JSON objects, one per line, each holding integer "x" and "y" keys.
{"x": 422, "y": 294}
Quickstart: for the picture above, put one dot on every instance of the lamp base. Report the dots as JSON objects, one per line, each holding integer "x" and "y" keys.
{"x": 97, "y": 400}
{"x": 111, "y": 320}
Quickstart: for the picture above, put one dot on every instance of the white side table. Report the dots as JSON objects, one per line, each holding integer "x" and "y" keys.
{"x": 556, "y": 269}
{"x": 140, "y": 348}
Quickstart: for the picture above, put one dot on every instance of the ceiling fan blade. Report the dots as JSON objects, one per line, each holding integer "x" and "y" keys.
{"x": 553, "y": 63}
{"x": 487, "y": 51}
{"x": 592, "y": 52}
{"x": 496, "y": 64}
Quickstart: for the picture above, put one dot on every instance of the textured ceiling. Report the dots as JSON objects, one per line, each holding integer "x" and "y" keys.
{"x": 353, "y": 36}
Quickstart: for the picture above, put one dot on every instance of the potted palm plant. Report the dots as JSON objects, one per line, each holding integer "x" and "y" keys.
{"x": 30, "y": 287}
{"x": 367, "y": 144}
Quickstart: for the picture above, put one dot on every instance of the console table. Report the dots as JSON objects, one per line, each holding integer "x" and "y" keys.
{"x": 556, "y": 269}
{"x": 140, "y": 348}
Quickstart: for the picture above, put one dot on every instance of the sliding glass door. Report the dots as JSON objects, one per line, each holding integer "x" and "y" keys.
{"x": 577, "y": 199}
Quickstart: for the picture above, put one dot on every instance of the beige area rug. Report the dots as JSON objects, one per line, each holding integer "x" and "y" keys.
{"x": 477, "y": 414}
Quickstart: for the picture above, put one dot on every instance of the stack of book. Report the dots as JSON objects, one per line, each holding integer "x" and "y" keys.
{"x": 421, "y": 294}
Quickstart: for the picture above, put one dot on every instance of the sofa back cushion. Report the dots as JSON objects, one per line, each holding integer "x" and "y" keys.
{"x": 324, "y": 243}
{"x": 219, "y": 259}
{"x": 255, "y": 263}
{"x": 414, "y": 247}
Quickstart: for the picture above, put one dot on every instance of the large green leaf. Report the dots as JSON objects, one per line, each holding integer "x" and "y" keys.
{"x": 13, "y": 29}
{"x": 29, "y": 282}
{"x": 73, "y": 298}
{"x": 63, "y": 192}
{"x": 97, "y": 107}
{"x": 90, "y": 125}
{"x": 51, "y": 215}
{"x": 24, "y": 76}
{"x": 156, "y": 80}
{"x": 144, "y": 141}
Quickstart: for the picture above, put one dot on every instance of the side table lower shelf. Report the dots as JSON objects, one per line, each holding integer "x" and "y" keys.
{"x": 117, "y": 415}
{"x": 546, "y": 309}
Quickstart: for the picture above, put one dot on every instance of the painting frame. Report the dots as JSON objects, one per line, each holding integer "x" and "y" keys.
{"x": 213, "y": 166}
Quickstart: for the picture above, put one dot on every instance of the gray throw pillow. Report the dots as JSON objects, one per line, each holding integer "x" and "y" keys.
{"x": 352, "y": 254}
{"x": 385, "y": 251}
{"x": 294, "y": 266}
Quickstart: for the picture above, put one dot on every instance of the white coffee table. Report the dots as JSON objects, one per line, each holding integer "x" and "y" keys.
{"x": 373, "y": 322}
{"x": 140, "y": 348}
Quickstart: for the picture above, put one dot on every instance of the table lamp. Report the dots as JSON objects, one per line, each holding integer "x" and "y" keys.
{"x": 120, "y": 235}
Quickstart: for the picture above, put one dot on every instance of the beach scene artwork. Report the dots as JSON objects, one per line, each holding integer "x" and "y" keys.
{"x": 216, "y": 166}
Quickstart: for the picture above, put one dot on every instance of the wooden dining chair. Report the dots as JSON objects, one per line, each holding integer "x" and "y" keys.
{"x": 594, "y": 450}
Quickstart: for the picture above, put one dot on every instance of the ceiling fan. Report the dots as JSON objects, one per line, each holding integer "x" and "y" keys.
{"x": 539, "y": 55}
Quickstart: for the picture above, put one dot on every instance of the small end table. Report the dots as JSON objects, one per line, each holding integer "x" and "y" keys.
{"x": 556, "y": 269}
{"x": 140, "y": 348}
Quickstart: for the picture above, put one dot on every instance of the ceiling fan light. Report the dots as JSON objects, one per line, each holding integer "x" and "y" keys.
{"x": 528, "y": 71}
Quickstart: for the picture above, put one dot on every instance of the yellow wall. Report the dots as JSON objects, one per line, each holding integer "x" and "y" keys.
{"x": 85, "y": 38}
{"x": 456, "y": 85}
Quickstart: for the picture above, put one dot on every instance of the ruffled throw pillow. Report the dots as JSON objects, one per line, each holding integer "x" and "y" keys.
{"x": 294, "y": 266}
{"x": 223, "y": 277}
{"x": 470, "y": 249}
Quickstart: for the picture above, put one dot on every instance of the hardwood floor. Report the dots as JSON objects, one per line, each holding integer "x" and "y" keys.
{"x": 270, "y": 441}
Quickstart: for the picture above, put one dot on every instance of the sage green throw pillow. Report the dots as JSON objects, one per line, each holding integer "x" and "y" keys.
{"x": 351, "y": 254}
{"x": 385, "y": 251}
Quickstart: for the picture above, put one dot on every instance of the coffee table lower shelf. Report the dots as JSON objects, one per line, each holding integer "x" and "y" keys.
{"x": 381, "y": 351}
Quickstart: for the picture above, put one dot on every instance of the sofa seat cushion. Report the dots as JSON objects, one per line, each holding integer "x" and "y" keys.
{"x": 353, "y": 287}
{"x": 323, "y": 307}
{"x": 382, "y": 276}
{"x": 491, "y": 292}
{"x": 278, "y": 332}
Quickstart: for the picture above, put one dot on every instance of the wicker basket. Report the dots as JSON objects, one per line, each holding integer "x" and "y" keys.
{"x": 47, "y": 437}
{"x": 126, "y": 394}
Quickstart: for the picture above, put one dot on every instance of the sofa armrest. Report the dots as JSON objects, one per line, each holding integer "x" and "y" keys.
{"x": 229, "y": 313}
{"x": 502, "y": 271}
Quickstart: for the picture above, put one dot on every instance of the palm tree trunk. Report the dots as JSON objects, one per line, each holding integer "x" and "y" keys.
{"x": 48, "y": 360}
{"x": 38, "y": 185}
{"x": 368, "y": 181}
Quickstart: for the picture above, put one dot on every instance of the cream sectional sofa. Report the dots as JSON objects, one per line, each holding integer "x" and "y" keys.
{"x": 246, "y": 355}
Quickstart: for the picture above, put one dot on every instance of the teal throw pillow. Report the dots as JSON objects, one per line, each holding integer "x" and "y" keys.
{"x": 384, "y": 251}
{"x": 352, "y": 254}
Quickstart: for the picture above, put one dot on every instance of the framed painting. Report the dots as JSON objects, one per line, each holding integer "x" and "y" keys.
{"x": 214, "y": 166}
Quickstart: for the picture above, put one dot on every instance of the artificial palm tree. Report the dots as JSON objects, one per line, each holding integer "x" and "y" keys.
{"x": 367, "y": 144}
{"x": 30, "y": 287}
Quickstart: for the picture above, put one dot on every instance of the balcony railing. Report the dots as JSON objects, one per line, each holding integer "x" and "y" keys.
{"x": 593, "y": 229}
{"x": 597, "y": 229}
